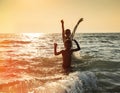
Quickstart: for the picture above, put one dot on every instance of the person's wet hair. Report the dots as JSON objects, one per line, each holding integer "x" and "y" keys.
{"x": 67, "y": 32}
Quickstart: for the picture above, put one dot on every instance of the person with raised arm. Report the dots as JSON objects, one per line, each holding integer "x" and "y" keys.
{"x": 66, "y": 53}
{"x": 66, "y": 34}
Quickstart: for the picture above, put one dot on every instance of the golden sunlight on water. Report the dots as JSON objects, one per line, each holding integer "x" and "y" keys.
{"x": 33, "y": 36}
{"x": 28, "y": 64}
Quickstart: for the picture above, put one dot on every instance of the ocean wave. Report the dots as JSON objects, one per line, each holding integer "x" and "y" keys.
{"x": 77, "y": 82}
{"x": 14, "y": 41}
{"x": 28, "y": 64}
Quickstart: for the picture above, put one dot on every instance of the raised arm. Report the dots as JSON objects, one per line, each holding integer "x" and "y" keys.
{"x": 63, "y": 31}
{"x": 78, "y": 47}
{"x": 74, "y": 30}
{"x": 55, "y": 50}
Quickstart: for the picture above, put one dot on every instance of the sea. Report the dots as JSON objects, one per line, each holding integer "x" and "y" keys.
{"x": 28, "y": 64}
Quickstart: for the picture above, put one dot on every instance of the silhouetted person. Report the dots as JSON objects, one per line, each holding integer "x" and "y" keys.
{"x": 67, "y": 53}
{"x": 66, "y": 34}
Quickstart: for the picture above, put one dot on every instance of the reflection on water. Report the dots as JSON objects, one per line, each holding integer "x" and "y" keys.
{"x": 28, "y": 65}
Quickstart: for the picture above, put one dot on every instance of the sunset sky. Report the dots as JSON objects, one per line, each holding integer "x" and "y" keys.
{"x": 44, "y": 15}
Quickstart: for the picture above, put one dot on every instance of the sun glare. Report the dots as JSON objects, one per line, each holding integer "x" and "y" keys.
{"x": 34, "y": 34}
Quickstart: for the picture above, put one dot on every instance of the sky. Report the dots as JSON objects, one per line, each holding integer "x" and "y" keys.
{"x": 43, "y": 16}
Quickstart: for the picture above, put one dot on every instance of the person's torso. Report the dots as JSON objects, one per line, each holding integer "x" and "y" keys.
{"x": 67, "y": 58}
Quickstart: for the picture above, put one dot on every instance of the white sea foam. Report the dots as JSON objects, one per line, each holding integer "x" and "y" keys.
{"x": 76, "y": 82}
{"x": 28, "y": 64}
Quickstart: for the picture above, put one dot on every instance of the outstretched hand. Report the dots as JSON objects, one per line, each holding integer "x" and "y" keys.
{"x": 55, "y": 44}
{"x": 62, "y": 21}
{"x": 81, "y": 19}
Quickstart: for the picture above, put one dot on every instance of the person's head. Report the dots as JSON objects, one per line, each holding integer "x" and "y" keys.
{"x": 67, "y": 32}
{"x": 68, "y": 44}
